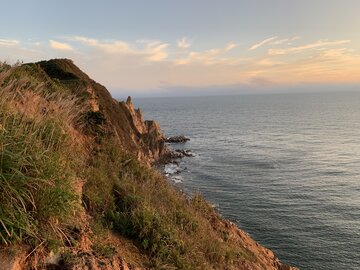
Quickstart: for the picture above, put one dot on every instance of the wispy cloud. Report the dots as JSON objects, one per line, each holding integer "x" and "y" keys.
{"x": 266, "y": 62}
{"x": 116, "y": 46}
{"x": 230, "y": 46}
{"x": 328, "y": 65}
{"x": 16, "y": 50}
{"x": 156, "y": 51}
{"x": 60, "y": 45}
{"x": 262, "y": 43}
{"x": 284, "y": 40}
{"x": 209, "y": 57}
{"x": 9, "y": 42}
{"x": 86, "y": 40}
{"x": 150, "y": 50}
{"x": 183, "y": 43}
{"x": 298, "y": 49}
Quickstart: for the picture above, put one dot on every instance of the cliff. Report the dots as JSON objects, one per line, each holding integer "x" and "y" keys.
{"x": 143, "y": 138}
{"x": 78, "y": 191}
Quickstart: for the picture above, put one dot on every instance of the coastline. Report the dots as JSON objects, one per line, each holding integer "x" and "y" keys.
{"x": 173, "y": 174}
{"x": 126, "y": 214}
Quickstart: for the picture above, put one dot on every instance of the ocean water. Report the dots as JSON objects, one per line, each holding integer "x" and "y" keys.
{"x": 284, "y": 167}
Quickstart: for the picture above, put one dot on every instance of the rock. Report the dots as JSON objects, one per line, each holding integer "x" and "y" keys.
{"x": 137, "y": 117}
{"x": 186, "y": 153}
{"x": 172, "y": 155}
{"x": 176, "y": 155}
{"x": 177, "y": 139}
{"x": 147, "y": 135}
{"x": 154, "y": 139}
{"x": 172, "y": 168}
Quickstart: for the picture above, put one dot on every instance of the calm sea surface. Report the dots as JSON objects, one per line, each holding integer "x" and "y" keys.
{"x": 284, "y": 167}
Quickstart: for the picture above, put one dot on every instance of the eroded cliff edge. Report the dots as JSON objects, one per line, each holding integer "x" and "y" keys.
{"x": 140, "y": 137}
{"x": 124, "y": 214}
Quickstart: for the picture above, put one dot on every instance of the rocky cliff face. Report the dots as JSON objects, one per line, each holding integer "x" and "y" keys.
{"x": 142, "y": 138}
{"x": 147, "y": 133}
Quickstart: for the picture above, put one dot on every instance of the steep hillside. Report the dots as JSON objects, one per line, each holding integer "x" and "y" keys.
{"x": 78, "y": 191}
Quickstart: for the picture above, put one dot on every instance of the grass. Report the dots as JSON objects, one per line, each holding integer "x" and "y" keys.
{"x": 106, "y": 250}
{"x": 35, "y": 169}
{"x": 138, "y": 203}
{"x": 33, "y": 183}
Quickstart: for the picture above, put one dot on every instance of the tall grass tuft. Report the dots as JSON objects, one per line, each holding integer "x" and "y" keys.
{"x": 35, "y": 164}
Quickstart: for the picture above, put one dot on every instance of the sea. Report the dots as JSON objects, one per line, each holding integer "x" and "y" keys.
{"x": 284, "y": 167}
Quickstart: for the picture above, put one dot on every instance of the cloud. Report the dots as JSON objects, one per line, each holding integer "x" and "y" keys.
{"x": 14, "y": 50}
{"x": 8, "y": 42}
{"x": 116, "y": 46}
{"x": 149, "y": 50}
{"x": 231, "y": 46}
{"x": 302, "y": 48}
{"x": 209, "y": 57}
{"x": 262, "y": 43}
{"x": 86, "y": 40}
{"x": 183, "y": 43}
{"x": 285, "y": 40}
{"x": 266, "y": 62}
{"x": 328, "y": 65}
{"x": 156, "y": 51}
{"x": 280, "y": 41}
{"x": 60, "y": 46}
{"x": 273, "y": 41}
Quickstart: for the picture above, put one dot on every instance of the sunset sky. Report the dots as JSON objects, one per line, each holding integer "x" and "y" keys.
{"x": 167, "y": 48}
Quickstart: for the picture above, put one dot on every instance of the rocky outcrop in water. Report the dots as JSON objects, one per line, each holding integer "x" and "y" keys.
{"x": 177, "y": 139}
{"x": 185, "y": 153}
{"x": 147, "y": 133}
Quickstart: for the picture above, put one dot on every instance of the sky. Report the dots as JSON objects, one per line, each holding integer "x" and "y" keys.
{"x": 192, "y": 47}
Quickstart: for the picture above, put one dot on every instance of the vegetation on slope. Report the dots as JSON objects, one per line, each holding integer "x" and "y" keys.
{"x": 49, "y": 148}
{"x": 36, "y": 165}
{"x": 138, "y": 203}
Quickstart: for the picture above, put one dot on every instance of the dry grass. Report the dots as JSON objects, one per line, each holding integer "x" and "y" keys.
{"x": 138, "y": 203}
{"x": 36, "y": 161}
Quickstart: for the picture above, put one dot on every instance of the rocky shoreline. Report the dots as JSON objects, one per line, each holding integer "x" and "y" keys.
{"x": 172, "y": 171}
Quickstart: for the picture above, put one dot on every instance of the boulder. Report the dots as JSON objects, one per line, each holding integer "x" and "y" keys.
{"x": 177, "y": 139}
{"x": 186, "y": 153}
